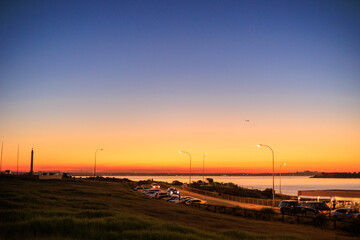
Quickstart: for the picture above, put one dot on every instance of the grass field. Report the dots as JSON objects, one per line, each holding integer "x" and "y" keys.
{"x": 82, "y": 209}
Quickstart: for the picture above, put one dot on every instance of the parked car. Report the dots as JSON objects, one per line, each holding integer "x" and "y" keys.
{"x": 144, "y": 191}
{"x": 154, "y": 186}
{"x": 172, "y": 198}
{"x": 165, "y": 197}
{"x": 315, "y": 208}
{"x": 183, "y": 200}
{"x": 160, "y": 195}
{"x": 150, "y": 191}
{"x": 151, "y": 194}
{"x": 172, "y": 191}
{"x": 195, "y": 200}
{"x": 290, "y": 207}
{"x": 345, "y": 213}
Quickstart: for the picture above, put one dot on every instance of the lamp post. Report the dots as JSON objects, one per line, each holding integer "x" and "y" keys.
{"x": 204, "y": 169}
{"x": 2, "y": 146}
{"x": 17, "y": 160}
{"x": 284, "y": 164}
{"x": 190, "y": 168}
{"x": 273, "y": 168}
{"x": 95, "y": 160}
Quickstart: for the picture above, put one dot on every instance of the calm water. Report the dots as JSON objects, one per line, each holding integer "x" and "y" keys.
{"x": 289, "y": 185}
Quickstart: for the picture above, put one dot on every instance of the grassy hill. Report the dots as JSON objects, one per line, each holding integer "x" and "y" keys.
{"x": 83, "y": 209}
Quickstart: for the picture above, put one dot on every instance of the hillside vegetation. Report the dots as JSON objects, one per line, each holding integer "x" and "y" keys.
{"x": 84, "y": 209}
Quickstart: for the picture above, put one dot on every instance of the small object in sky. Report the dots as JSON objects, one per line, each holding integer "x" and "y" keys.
{"x": 247, "y": 120}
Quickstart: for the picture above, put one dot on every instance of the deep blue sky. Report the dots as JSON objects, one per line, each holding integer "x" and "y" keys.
{"x": 134, "y": 60}
{"x": 57, "y": 47}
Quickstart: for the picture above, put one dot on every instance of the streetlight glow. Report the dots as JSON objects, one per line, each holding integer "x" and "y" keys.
{"x": 273, "y": 168}
{"x": 204, "y": 168}
{"x": 95, "y": 161}
{"x": 190, "y": 168}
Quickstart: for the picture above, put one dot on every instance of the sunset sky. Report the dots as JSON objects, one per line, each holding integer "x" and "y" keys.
{"x": 146, "y": 79}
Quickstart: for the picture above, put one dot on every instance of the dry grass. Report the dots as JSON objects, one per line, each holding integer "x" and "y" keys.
{"x": 80, "y": 209}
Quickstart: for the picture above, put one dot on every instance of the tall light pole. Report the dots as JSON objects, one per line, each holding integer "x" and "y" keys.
{"x": 273, "y": 168}
{"x": 2, "y": 146}
{"x": 284, "y": 164}
{"x": 190, "y": 168}
{"x": 17, "y": 165}
{"x": 95, "y": 161}
{"x": 204, "y": 168}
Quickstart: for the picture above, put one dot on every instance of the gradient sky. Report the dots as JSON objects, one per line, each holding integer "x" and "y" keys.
{"x": 145, "y": 79}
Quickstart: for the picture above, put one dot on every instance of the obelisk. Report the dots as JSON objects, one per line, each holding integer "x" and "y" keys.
{"x": 32, "y": 162}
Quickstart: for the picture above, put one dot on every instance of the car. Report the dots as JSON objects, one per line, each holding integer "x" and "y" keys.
{"x": 172, "y": 198}
{"x": 160, "y": 195}
{"x": 195, "y": 200}
{"x": 183, "y": 200}
{"x": 164, "y": 197}
{"x": 154, "y": 186}
{"x": 176, "y": 199}
{"x": 151, "y": 195}
{"x": 315, "y": 208}
{"x": 150, "y": 191}
{"x": 144, "y": 191}
{"x": 172, "y": 191}
{"x": 345, "y": 213}
{"x": 290, "y": 207}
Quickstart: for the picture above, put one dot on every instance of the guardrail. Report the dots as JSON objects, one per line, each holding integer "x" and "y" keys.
{"x": 257, "y": 201}
{"x": 268, "y": 214}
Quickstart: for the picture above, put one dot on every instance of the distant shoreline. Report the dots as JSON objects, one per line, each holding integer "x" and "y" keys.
{"x": 337, "y": 175}
{"x": 196, "y": 174}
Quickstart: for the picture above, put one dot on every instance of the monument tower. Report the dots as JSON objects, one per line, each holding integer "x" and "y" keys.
{"x": 32, "y": 162}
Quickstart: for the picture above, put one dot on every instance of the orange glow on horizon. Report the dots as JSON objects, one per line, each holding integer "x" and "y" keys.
{"x": 155, "y": 144}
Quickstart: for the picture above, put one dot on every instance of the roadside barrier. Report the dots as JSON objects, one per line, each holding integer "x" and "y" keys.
{"x": 257, "y": 201}
{"x": 268, "y": 214}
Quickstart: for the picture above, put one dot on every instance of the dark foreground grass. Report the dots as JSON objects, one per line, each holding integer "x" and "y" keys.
{"x": 76, "y": 209}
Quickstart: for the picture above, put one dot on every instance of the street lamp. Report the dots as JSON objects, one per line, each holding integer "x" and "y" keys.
{"x": 95, "y": 161}
{"x": 181, "y": 152}
{"x": 273, "y": 188}
{"x": 284, "y": 164}
{"x": 204, "y": 168}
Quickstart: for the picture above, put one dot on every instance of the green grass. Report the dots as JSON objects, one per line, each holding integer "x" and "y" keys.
{"x": 80, "y": 209}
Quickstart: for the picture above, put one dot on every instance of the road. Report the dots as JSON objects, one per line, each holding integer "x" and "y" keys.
{"x": 224, "y": 202}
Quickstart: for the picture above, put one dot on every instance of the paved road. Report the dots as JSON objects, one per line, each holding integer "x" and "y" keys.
{"x": 224, "y": 202}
